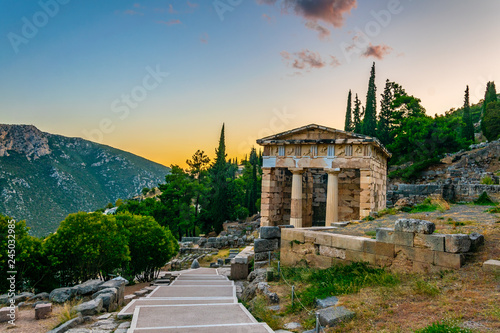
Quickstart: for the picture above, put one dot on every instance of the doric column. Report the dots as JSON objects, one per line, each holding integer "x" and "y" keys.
{"x": 296, "y": 204}
{"x": 332, "y": 196}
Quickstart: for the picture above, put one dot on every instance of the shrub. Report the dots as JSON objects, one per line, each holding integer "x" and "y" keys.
{"x": 484, "y": 199}
{"x": 486, "y": 180}
{"x": 444, "y": 327}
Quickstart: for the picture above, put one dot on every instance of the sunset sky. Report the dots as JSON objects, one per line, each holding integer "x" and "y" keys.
{"x": 159, "y": 78}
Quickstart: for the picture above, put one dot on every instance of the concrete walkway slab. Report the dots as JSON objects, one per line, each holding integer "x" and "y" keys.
{"x": 202, "y": 283}
{"x": 190, "y": 315}
{"x": 202, "y": 277}
{"x": 233, "y": 328}
{"x": 193, "y": 291}
{"x": 202, "y": 270}
{"x": 128, "y": 310}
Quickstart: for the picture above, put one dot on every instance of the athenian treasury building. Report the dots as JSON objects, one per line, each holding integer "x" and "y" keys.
{"x": 316, "y": 175}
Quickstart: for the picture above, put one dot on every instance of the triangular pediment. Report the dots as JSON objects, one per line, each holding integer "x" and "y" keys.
{"x": 312, "y": 132}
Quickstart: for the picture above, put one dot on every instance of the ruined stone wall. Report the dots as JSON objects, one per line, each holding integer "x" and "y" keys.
{"x": 349, "y": 194}
{"x": 276, "y": 196}
{"x": 450, "y": 191}
{"x": 401, "y": 249}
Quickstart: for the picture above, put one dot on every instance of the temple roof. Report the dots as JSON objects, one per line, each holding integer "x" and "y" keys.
{"x": 314, "y": 134}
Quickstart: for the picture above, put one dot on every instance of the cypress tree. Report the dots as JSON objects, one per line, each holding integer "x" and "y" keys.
{"x": 468, "y": 130}
{"x": 348, "y": 122}
{"x": 370, "y": 118}
{"x": 356, "y": 125}
{"x": 490, "y": 95}
{"x": 385, "y": 116}
{"x": 219, "y": 207}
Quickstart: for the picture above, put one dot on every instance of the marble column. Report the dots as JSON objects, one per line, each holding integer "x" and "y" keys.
{"x": 296, "y": 204}
{"x": 332, "y": 196}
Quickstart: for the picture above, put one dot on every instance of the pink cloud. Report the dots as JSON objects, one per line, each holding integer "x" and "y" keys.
{"x": 204, "y": 38}
{"x": 323, "y": 32}
{"x": 307, "y": 60}
{"x": 377, "y": 51}
{"x": 267, "y": 17}
{"x": 132, "y": 12}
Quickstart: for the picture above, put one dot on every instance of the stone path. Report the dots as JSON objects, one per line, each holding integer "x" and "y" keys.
{"x": 198, "y": 301}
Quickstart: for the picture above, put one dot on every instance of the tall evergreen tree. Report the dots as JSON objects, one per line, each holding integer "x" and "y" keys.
{"x": 490, "y": 95}
{"x": 356, "y": 119}
{"x": 384, "y": 120}
{"x": 219, "y": 208}
{"x": 468, "y": 130}
{"x": 370, "y": 118}
{"x": 252, "y": 187}
{"x": 348, "y": 116}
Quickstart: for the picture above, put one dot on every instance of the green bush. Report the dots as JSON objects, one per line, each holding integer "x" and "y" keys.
{"x": 484, "y": 199}
{"x": 444, "y": 327}
{"x": 486, "y": 180}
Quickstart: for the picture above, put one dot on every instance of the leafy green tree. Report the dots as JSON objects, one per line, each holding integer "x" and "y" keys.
{"x": 357, "y": 115}
{"x": 198, "y": 169}
{"x": 385, "y": 116}
{"x": 176, "y": 198}
{"x": 348, "y": 114}
{"x": 491, "y": 121}
{"x": 468, "y": 129}
{"x": 23, "y": 252}
{"x": 86, "y": 246}
{"x": 370, "y": 118}
{"x": 151, "y": 245}
{"x": 252, "y": 182}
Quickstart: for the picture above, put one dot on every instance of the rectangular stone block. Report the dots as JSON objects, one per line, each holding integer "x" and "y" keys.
{"x": 264, "y": 245}
{"x": 374, "y": 247}
{"x": 435, "y": 242}
{"x": 8, "y": 313}
{"x": 319, "y": 261}
{"x": 291, "y": 234}
{"x": 348, "y": 242}
{"x": 491, "y": 265}
{"x": 269, "y": 232}
{"x": 403, "y": 238}
{"x": 324, "y": 238}
{"x": 416, "y": 254}
{"x": 357, "y": 256}
{"x": 385, "y": 235}
{"x": 457, "y": 243}
{"x": 239, "y": 271}
{"x": 448, "y": 260}
{"x": 43, "y": 311}
{"x": 331, "y": 252}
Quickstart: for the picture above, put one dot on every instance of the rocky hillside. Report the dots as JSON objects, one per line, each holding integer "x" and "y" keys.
{"x": 44, "y": 177}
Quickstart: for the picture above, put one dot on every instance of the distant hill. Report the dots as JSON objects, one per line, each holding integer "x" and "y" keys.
{"x": 44, "y": 177}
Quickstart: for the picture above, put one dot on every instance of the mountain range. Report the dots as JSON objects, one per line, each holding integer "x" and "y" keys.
{"x": 44, "y": 177}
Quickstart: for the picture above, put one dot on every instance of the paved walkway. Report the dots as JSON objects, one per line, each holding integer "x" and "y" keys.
{"x": 198, "y": 301}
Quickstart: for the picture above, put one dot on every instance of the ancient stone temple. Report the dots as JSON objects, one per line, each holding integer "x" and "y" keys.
{"x": 315, "y": 175}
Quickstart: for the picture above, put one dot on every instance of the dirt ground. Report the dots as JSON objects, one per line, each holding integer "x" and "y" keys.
{"x": 468, "y": 296}
{"x": 26, "y": 323}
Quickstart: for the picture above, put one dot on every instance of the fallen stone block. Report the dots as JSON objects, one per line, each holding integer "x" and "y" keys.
{"x": 476, "y": 241}
{"x": 90, "y": 308}
{"x": 414, "y": 226}
{"x": 128, "y": 298}
{"x": 435, "y": 242}
{"x": 491, "y": 265}
{"x": 195, "y": 264}
{"x": 67, "y": 325}
{"x": 43, "y": 311}
{"x": 119, "y": 285}
{"x": 448, "y": 260}
{"x": 8, "y": 313}
{"x": 264, "y": 245}
{"x": 457, "y": 243}
{"x": 270, "y": 232}
{"x": 41, "y": 296}
{"x": 61, "y": 295}
{"x": 327, "y": 302}
{"x": 88, "y": 287}
{"x": 334, "y": 315}
{"x": 22, "y": 297}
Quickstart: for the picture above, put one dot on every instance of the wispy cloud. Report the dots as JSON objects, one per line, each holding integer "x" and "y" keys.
{"x": 192, "y": 5}
{"x": 267, "y": 18}
{"x": 171, "y": 22}
{"x": 204, "y": 38}
{"x": 132, "y": 12}
{"x": 307, "y": 60}
{"x": 137, "y": 5}
{"x": 331, "y": 12}
{"x": 323, "y": 32}
{"x": 377, "y": 51}
{"x": 171, "y": 9}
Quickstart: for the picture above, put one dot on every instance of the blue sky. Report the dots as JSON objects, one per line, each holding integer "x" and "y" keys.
{"x": 158, "y": 78}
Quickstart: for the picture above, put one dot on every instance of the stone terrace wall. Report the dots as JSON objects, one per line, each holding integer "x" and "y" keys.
{"x": 411, "y": 246}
